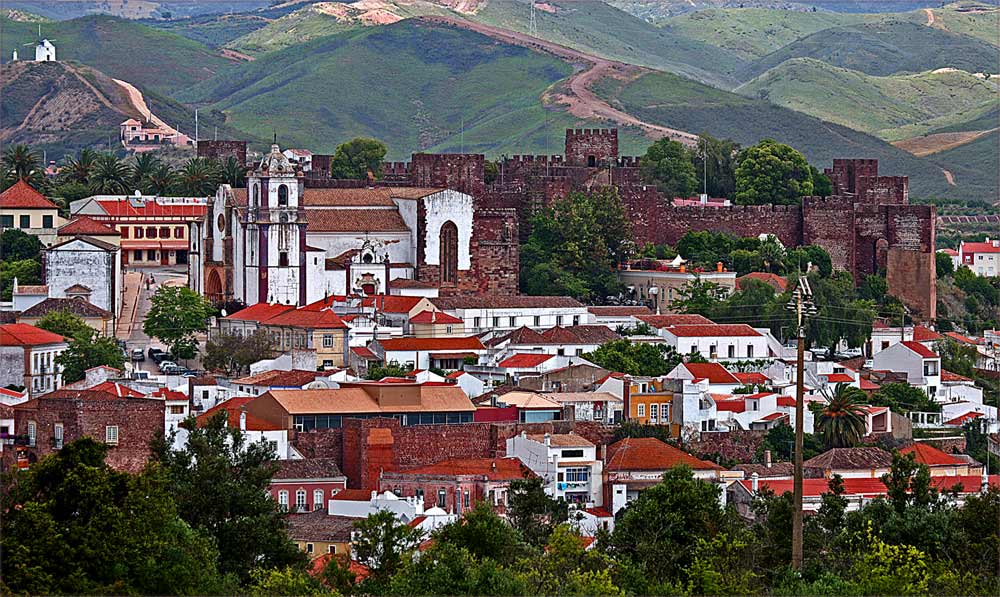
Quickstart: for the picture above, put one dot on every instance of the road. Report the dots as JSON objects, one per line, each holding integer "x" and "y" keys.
{"x": 581, "y": 100}
{"x": 136, "y": 304}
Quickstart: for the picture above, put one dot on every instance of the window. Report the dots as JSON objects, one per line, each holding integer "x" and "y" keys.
{"x": 46, "y": 221}
{"x": 164, "y": 232}
{"x": 537, "y": 321}
{"x": 448, "y": 329}
{"x": 442, "y": 497}
{"x": 640, "y": 410}
{"x": 496, "y": 322}
{"x": 466, "y": 499}
{"x": 654, "y": 413}
{"x": 283, "y": 259}
{"x": 331, "y": 549}
{"x": 150, "y": 232}
{"x": 572, "y": 453}
{"x": 177, "y": 409}
{"x": 576, "y": 320}
{"x": 327, "y": 340}
{"x": 255, "y": 200}
{"x": 577, "y": 474}
{"x": 750, "y": 351}
{"x": 282, "y": 195}
{"x": 24, "y": 222}
{"x": 930, "y": 368}
{"x": 476, "y": 322}
{"x": 111, "y": 435}
{"x": 317, "y": 499}
{"x": 138, "y": 232}
{"x": 178, "y": 232}
{"x": 512, "y": 322}
{"x": 283, "y": 499}
{"x": 57, "y": 436}
{"x": 449, "y": 252}
{"x": 124, "y": 231}
{"x": 731, "y": 353}
{"x": 712, "y": 350}
{"x": 300, "y": 500}
{"x": 559, "y": 319}
{"x": 664, "y": 412}
{"x": 150, "y": 255}
{"x": 7, "y": 221}
{"x": 309, "y": 547}
{"x": 32, "y": 432}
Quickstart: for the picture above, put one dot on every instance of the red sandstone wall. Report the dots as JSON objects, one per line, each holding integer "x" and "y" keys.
{"x": 584, "y": 146}
{"x": 221, "y": 150}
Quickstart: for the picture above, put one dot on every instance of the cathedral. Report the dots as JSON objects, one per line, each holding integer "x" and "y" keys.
{"x": 280, "y": 240}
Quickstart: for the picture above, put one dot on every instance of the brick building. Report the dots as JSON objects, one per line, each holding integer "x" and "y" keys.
{"x": 457, "y": 484}
{"x": 127, "y": 424}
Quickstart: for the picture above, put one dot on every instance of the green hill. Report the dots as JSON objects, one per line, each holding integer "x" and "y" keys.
{"x": 212, "y": 30}
{"x": 868, "y": 103}
{"x": 672, "y": 101}
{"x": 122, "y": 49}
{"x": 598, "y": 28}
{"x": 751, "y": 33}
{"x": 415, "y": 85}
{"x": 884, "y": 48}
{"x": 967, "y": 163}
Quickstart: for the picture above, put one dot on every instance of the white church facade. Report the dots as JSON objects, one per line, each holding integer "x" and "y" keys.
{"x": 281, "y": 241}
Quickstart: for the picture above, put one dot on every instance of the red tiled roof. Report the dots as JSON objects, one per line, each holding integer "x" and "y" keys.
{"x": 773, "y": 417}
{"x": 732, "y": 405}
{"x": 233, "y": 407}
{"x": 494, "y": 469}
{"x": 429, "y": 316}
{"x": 259, "y": 312}
{"x": 455, "y": 374}
{"x": 615, "y": 311}
{"x": 839, "y": 378}
{"x": 923, "y": 334}
{"x": 22, "y": 195}
{"x": 949, "y": 376}
{"x": 713, "y": 372}
{"x": 364, "y": 352}
{"x": 166, "y": 394}
{"x": 598, "y": 512}
{"x": 125, "y": 207}
{"x": 866, "y": 486}
{"x": 973, "y": 248}
{"x": 714, "y": 330}
{"x": 920, "y": 349}
{"x": 391, "y": 303}
{"x": 963, "y": 419}
{"x": 305, "y": 318}
{"x": 353, "y": 495}
{"x": 666, "y": 321}
{"x": 87, "y": 226}
{"x": 752, "y": 378}
{"x": 296, "y": 378}
{"x": 780, "y": 284}
{"x": 22, "y": 334}
{"x": 524, "y": 360}
{"x": 931, "y": 456}
{"x": 650, "y": 454}
{"x": 788, "y": 401}
{"x": 355, "y": 220}
{"x": 118, "y": 390}
{"x": 866, "y": 384}
{"x": 961, "y": 338}
{"x": 422, "y": 344}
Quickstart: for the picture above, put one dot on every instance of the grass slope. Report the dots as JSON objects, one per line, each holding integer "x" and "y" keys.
{"x": 883, "y": 48}
{"x": 751, "y": 33}
{"x": 868, "y": 103}
{"x": 411, "y": 84}
{"x": 122, "y": 49}
{"x": 968, "y": 163}
{"x": 672, "y": 101}
{"x": 212, "y": 30}
{"x": 598, "y": 28}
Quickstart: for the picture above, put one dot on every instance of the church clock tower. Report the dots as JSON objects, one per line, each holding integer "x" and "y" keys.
{"x": 276, "y": 232}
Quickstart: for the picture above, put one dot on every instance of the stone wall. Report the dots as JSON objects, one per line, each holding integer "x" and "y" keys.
{"x": 221, "y": 150}
{"x": 591, "y": 147}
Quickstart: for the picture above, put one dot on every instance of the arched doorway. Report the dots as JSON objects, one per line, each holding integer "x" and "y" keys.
{"x": 449, "y": 252}
{"x": 213, "y": 287}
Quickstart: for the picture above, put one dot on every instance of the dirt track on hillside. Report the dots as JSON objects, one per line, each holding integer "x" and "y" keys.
{"x": 930, "y": 144}
{"x": 581, "y": 101}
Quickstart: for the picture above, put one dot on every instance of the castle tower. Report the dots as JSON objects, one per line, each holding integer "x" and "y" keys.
{"x": 276, "y": 232}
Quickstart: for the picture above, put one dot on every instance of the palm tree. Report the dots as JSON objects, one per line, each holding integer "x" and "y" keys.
{"x": 78, "y": 169}
{"x": 110, "y": 176}
{"x": 142, "y": 166}
{"x": 20, "y": 161}
{"x": 234, "y": 173}
{"x": 842, "y": 420}
{"x": 199, "y": 177}
{"x": 160, "y": 181}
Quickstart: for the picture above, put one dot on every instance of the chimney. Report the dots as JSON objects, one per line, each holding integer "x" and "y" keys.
{"x": 754, "y": 482}
{"x": 767, "y": 458}
{"x": 548, "y": 439}
{"x": 718, "y": 266}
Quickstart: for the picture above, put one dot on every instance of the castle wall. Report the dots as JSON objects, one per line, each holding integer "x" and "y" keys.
{"x": 221, "y": 150}
{"x": 591, "y": 147}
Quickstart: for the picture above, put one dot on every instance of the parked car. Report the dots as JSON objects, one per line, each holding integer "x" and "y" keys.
{"x": 138, "y": 355}
{"x": 153, "y": 351}
{"x": 166, "y": 365}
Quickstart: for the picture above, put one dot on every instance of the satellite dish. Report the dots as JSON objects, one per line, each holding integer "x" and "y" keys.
{"x": 316, "y": 385}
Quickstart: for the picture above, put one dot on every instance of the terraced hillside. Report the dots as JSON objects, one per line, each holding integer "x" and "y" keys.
{"x": 670, "y": 100}
{"x": 876, "y": 105}
{"x": 415, "y": 85}
{"x": 122, "y": 49}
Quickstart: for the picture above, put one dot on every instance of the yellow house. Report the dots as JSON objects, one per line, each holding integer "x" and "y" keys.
{"x": 436, "y": 324}
{"x": 94, "y": 316}
{"x": 86, "y": 226}
{"x": 320, "y": 330}
{"x": 318, "y": 533}
{"x": 24, "y": 208}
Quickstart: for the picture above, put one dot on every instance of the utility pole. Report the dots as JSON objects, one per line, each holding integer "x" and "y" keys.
{"x": 532, "y": 25}
{"x": 196, "y": 127}
{"x": 803, "y": 306}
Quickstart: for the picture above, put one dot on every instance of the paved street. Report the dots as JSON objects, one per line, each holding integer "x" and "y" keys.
{"x": 137, "y": 303}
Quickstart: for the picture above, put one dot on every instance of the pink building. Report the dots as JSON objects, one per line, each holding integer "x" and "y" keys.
{"x": 305, "y": 485}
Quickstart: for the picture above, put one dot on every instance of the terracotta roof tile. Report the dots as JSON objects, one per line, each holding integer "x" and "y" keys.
{"x": 579, "y": 334}
{"x": 434, "y": 317}
{"x": 494, "y": 469}
{"x": 777, "y": 282}
{"x": 353, "y": 495}
{"x": 259, "y": 312}
{"x": 306, "y": 318}
{"x": 233, "y": 408}
{"x": 864, "y": 486}
{"x": 839, "y": 378}
{"x": 924, "y": 334}
{"x": 953, "y": 377}
{"x": 76, "y": 306}
{"x": 850, "y": 458}
{"x": 666, "y": 321}
{"x": 650, "y": 454}
{"x": 429, "y": 344}
{"x": 390, "y": 303}
{"x": 504, "y": 301}
{"x": 87, "y": 226}
{"x": 22, "y": 195}
{"x": 713, "y": 372}
{"x": 355, "y": 220}
{"x": 752, "y": 377}
{"x": 118, "y": 390}
{"x": 979, "y": 247}
{"x": 356, "y": 400}
{"x": 616, "y": 311}
{"x": 307, "y": 468}
{"x": 920, "y": 349}
{"x": 22, "y": 334}
{"x": 151, "y": 209}
{"x": 961, "y": 338}
{"x": 567, "y": 440}
{"x": 296, "y": 378}
{"x": 929, "y": 455}
{"x": 319, "y": 526}
{"x": 777, "y": 469}
{"x": 524, "y": 361}
{"x": 362, "y": 197}
{"x": 714, "y": 330}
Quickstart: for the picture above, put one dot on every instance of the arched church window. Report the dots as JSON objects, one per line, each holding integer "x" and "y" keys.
{"x": 255, "y": 196}
{"x": 367, "y": 258}
{"x": 283, "y": 195}
{"x": 449, "y": 252}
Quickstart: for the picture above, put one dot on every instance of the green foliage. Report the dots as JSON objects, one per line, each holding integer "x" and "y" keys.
{"x": 390, "y": 369}
{"x": 16, "y": 244}
{"x": 199, "y": 177}
{"x": 27, "y": 271}
{"x": 903, "y": 398}
{"x": 772, "y": 172}
{"x": 176, "y": 315}
{"x": 639, "y": 358}
{"x": 73, "y": 525}
{"x": 575, "y": 245}
{"x": 110, "y": 176}
{"x": 358, "y": 158}
{"x": 89, "y": 349}
{"x": 633, "y": 429}
{"x": 446, "y": 569}
{"x": 234, "y": 354}
{"x": 780, "y": 440}
{"x": 483, "y": 535}
{"x": 382, "y": 543}
{"x": 944, "y": 266}
{"x": 721, "y": 173}
{"x": 532, "y": 512}
{"x": 285, "y": 581}
{"x": 841, "y": 420}
{"x": 220, "y": 481}
{"x": 668, "y": 166}
{"x": 957, "y": 357}
{"x": 64, "y": 323}
{"x": 567, "y": 568}
{"x": 20, "y": 162}
{"x": 885, "y": 569}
